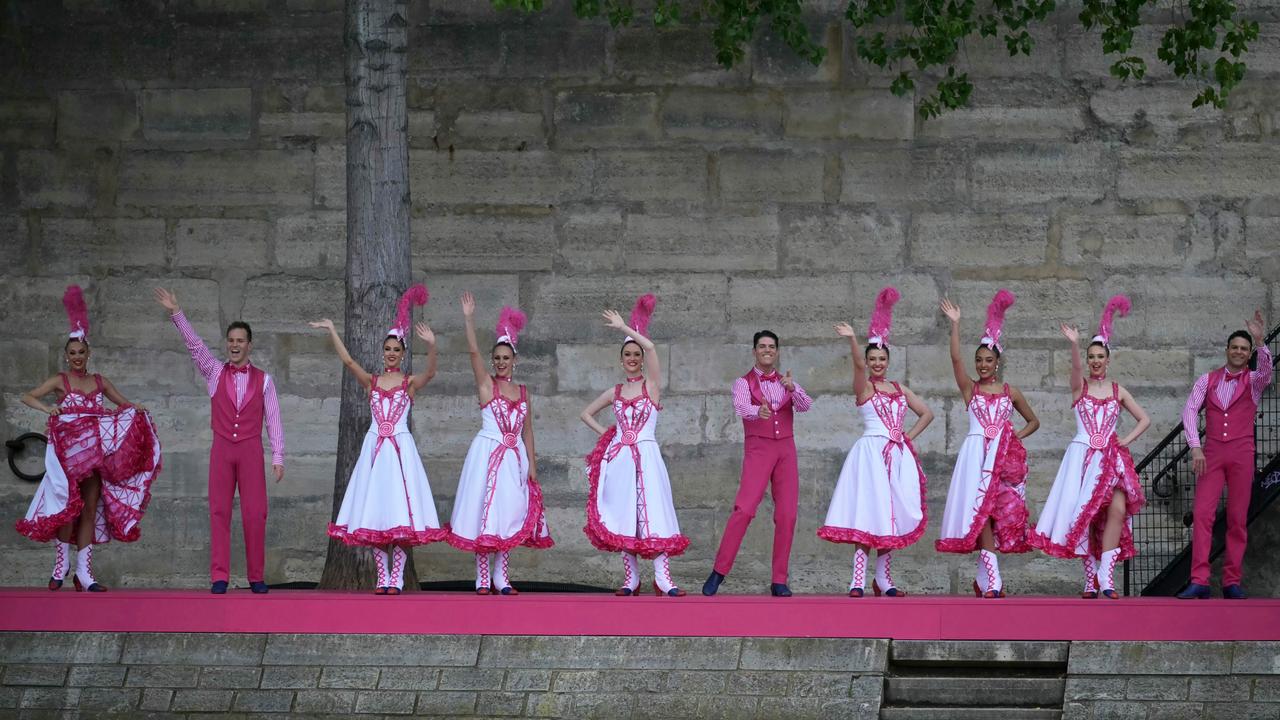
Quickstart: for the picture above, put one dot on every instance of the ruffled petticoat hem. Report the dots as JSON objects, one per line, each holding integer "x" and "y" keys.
{"x": 832, "y": 533}
{"x": 402, "y": 535}
{"x": 1116, "y": 473}
{"x": 601, "y": 537}
{"x": 533, "y": 534}
{"x": 1005, "y": 506}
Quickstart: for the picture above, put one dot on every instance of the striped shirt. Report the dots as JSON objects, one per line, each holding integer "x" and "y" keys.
{"x": 772, "y": 390}
{"x": 211, "y": 368}
{"x": 1258, "y": 381}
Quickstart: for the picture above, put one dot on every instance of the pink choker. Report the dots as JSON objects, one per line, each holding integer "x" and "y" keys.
{"x": 1103, "y": 376}
{"x": 79, "y": 373}
{"x": 878, "y": 378}
{"x": 636, "y": 379}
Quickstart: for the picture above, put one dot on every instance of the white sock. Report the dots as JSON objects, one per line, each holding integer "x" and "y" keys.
{"x": 61, "y": 559}
{"x": 1106, "y": 567}
{"x": 662, "y": 573}
{"x": 483, "y": 562}
{"x": 84, "y": 566}
{"x": 991, "y": 570}
{"x": 398, "y": 560}
{"x": 380, "y": 562}
{"x": 630, "y": 571}
{"x": 859, "y": 580}
{"x": 501, "y": 571}
{"x": 981, "y": 575}
{"x": 884, "y": 576}
{"x": 1090, "y": 573}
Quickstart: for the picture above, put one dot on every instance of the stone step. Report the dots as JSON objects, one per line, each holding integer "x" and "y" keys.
{"x": 975, "y": 691}
{"x": 958, "y": 713}
{"x": 978, "y": 653}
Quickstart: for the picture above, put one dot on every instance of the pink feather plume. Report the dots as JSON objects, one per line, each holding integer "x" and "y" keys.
{"x": 415, "y": 296}
{"x": 77, "y": 311}
{"x": 643, "y": 312}
{"x": 1117, "y": 305}
{"x": 510, "y": 322}
{"x": 882, "y": 316}
{"x": 995, "y": 313}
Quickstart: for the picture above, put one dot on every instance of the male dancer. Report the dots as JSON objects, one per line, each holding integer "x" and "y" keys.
{"x": 1229, "y": 396}
{"x": 766, "y": 402}
{"x": 239, "y": 395}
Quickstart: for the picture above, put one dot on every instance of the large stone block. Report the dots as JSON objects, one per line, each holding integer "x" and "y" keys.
{"x": 497, "y": 129}
{"x": 330, "y": 177}
{"x": 48, "y": 178}
{"x": 114, "y": 243}
{"x": 1040, "y": 173}
{"x": 701, "y": 243}
{"x": 129, "y": 317}
{"x": 774, "y": 62}
{"x": 27, "y": 121}
{"x": 823, "y": 238}
{"x": 1182, "y": 310}
{"x": 279, "y": 303}
{"x": 595, "y": 368}
{"x": 162, "y": 676}
{"x": 675, "y": 54}
{"x": 554, "y": 50}
{"x": 1126, "y": 240}
{"x": 568, "y": 308}
{"x": 852, "y": 655}
{"x": 330, "y": 126}
{"x": 826, "y": 299}
{"x": 393, "y": 650}
{"x": 26, "y": 363}
{"x": 193, "y": 648}
{"x": 97, "y": 117}
{"x": 924, "y": 174}
{"x": 721, "y": 115}
{"x": 14, "y": 241}
{"x": 492, "y": 241}
{"x": 309, "y": 241}
{"x": 1164, "y": 109}
{"x": 848, "y": 114}
{"x": 1255, "y": 658}
{"x": 196, "y": 116}
{"x": 979, "y": 241}
{"x": 773, "y": 176}
{"x": 280, "y": 178}
{"x": 1039, "y": 304}
{"x": 1029, "y": 110}
{"x": 651, "y": 175}
{"x": 470, "y": 177}
{"x": 608, "y": 652}
{"x": 1135, "y": 658}
{"x": 960, "y": 651}
{"x": 215, "y": 242}
{"x": 590, "y": 239}
{"x": 1236, "y": 170}
{"x": 591, "y": 119}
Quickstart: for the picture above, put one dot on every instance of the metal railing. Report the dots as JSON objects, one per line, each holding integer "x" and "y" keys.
{"x": 1162, "y": 531}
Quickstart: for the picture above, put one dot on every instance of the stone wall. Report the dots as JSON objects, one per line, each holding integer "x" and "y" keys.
{"x": 566, "y": 166}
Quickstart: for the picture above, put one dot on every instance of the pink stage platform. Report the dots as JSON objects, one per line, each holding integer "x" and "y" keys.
{"x": 450, "y": 613}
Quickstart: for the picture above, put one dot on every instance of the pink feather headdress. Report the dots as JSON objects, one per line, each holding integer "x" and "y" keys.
{"x": 416, "y": 295}
{"x": 882, "y": 317}
{"x": 510, "y": 323}
{"x": 995, "y": 319}
{"x": 641, "y": 314}
{"x": 1117, "y": 305}
{"x": 77, "y": 313}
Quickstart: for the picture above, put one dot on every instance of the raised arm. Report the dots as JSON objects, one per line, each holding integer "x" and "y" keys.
{"x": 32, "y": 398}
{"x": 1143, "y": 422}
{"x": 1031, "y": 422}
{"x": 963, "y": 381}
{"x": 1260, "y": 378}
{"x": 1072, "y": 334}
{"x": 208, "y": 364}
{"x": 116, "y": 397}
{"x": 588, "y": 414}
{"x": 652, "y": 363}
{"x": 923, "y": 414}
{"x": 339, "y": 347}
{"x": 484, "y": 383}
{"x": 419, "y": 381}
{"x": 860, "y": 386}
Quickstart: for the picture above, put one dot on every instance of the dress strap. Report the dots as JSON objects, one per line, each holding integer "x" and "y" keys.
{"x": 617, "y": 391}
{"x": 897, "y": 388}
{"x": 1006, "y": 389}
{"x": 1115, "y": 391}
{"x": 97, "y": 379}
{"x": 66, "y": 385}
{"x": 524, "y": 396}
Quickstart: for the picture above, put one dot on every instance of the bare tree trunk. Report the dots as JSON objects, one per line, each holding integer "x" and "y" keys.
{"x": 378, "y": 249}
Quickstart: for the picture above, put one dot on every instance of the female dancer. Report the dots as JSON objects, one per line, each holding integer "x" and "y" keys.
{"x": 986, "y": 504}
{"x": 1089, "y": 513}
{"x": 99, "y": 463}
{"x": 499, "y": 502}
{"x": 388, "y": 505}
{"x": 629, "y": 505}
{"x": 879, "y": 500}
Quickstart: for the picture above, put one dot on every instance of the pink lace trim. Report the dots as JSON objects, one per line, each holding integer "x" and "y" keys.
{"x": 533, "y": 534}
{"x": 1115, "y": 473}
{"x": 604, "y": 539}
{"x": 402, "y": 535}
{"x": 1001, "y": 502}
{"x": 834, "y": 534}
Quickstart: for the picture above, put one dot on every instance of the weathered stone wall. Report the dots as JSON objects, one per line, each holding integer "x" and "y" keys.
{"x": 187, "y": 675}
{"x": 566, "y": 166}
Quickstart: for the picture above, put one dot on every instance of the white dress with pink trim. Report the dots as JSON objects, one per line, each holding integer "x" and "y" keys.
{"x": 629, "y": 503}
{"x": 498, "y": 506}
{"x": 989, "y": 481}
{"x": 879, "y": 500}
{"x": 388, "y": 499}
{"x": 1093, "y": 468}
{"x": 85, "y": 438}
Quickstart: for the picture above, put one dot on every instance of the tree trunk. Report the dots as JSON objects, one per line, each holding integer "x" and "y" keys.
{"x": 378, "y": 249}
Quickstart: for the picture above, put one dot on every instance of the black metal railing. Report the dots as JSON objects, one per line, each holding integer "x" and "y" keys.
{"x": 1162, "y": 531}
